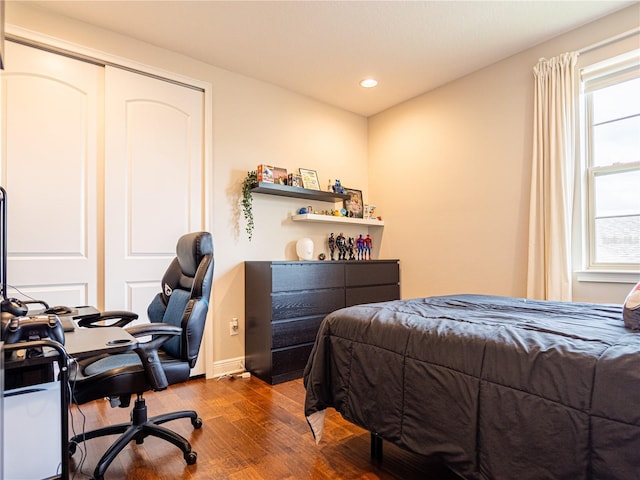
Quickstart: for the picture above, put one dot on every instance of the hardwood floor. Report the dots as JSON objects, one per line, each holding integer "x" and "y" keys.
{"x": 251, "y": 431}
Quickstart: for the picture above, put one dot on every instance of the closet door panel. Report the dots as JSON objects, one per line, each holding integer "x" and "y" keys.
{"x": 159, "y": 176}
{"x": 154, "y": 189}
{"x": 50, "y": 137}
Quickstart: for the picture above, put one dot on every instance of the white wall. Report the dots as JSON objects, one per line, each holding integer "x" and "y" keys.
{"x": 253, "y": 123}
{"x": 451, "y": 171}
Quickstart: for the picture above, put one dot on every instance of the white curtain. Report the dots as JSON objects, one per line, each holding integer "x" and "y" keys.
{"x": 555, "y": 110}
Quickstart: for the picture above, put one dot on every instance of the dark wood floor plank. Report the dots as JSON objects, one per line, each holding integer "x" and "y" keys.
{"x": 251, "y": 431}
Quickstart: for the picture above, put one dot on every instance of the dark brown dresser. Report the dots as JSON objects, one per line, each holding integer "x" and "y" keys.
{"x": 286, "y": 301}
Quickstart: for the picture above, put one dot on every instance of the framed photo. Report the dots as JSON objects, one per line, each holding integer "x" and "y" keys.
{"x": 309, "y": 179}
{"x": 354, "y": 205}
{"x": 280, "y": 175}
{"x": 294, "y": 180}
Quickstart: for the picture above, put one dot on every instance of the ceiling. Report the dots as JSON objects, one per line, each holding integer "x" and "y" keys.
{"x": 322, "y": 49}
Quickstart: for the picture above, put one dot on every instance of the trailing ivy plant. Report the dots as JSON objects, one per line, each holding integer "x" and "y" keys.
{"x": 248, "y": 183}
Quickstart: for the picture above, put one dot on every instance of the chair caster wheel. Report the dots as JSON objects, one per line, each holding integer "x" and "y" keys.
{"x": 196, "y": 422}
{"x": 191, "y": 457}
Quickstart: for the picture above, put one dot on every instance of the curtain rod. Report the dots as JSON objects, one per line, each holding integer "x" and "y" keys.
{"x": 609, "y": 41}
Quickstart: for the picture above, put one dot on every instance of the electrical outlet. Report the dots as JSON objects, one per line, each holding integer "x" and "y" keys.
{"x": 234, "y": 327}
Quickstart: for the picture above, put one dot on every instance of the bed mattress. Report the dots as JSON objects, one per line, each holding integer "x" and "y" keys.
{"x": 497, "y": 387}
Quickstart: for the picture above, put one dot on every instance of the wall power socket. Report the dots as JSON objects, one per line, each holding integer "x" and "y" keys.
{"x": 234, "y": 326}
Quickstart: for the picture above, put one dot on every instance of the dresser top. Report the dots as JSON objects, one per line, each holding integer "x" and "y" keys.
{"x": 321, "y": 262}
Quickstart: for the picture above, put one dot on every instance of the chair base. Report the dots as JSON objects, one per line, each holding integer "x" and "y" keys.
{"x": 138, "y": 429}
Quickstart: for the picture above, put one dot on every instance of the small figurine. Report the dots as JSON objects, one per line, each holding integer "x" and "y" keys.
{"x": 332, "y": 245}
{"x": 368, "y": 244}
{"x": 352, "y": 255}
{"x": 342, "y": 247}
{"x": 360, "y": 247}
{"x": 338, "y": 188}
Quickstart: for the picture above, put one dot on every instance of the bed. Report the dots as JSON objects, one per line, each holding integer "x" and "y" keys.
{"x": 496, "y": 387}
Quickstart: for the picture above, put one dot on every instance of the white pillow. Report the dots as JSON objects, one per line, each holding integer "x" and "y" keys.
{"x": 631, "y": 309}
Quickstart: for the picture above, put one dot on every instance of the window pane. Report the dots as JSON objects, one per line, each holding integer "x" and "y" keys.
{"x": 618, "y": 240}
{"x": 617, "y": 142}
{"x": 617, "y": 194}
{"x": 617, "y": 101}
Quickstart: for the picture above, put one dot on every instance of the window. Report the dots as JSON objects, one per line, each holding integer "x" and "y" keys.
{"x": 611, "y": 164}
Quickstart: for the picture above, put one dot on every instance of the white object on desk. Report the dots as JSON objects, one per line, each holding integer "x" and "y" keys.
{"x": 31, "y": 437}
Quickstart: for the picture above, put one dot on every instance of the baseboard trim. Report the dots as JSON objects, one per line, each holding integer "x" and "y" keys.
{"x": 227, "y": 367}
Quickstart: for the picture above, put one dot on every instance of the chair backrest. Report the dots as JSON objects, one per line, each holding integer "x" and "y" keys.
{"x": 184, "y": 299}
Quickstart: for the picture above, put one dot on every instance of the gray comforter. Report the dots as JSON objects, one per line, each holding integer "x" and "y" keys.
{"x": 499, "y": 388}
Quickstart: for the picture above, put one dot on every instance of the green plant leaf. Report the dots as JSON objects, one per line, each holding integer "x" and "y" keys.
{"x": 250, "y": 181}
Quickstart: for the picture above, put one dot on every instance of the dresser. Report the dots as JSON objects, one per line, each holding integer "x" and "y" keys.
{"x": 286, "y": 301}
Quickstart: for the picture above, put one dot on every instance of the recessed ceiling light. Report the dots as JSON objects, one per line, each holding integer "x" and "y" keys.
{"x": 368, "y": 83}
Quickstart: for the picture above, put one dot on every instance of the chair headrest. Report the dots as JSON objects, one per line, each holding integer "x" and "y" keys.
{"x": 190, "y": 250}
{"x": 187, "y": 269}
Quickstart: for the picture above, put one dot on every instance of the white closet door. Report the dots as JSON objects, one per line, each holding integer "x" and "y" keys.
{"x": 154, "y": 182}
{"x": 49, "y": 156}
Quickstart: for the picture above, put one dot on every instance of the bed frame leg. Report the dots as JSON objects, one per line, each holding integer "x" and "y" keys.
{"x": 376, "y": 447}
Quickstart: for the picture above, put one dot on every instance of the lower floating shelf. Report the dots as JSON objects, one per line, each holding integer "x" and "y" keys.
{"x": 312, "y": 217}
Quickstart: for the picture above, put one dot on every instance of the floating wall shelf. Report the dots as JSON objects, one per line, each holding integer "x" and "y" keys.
{"x": 318, "y": 195}
{"x": 297, "y": 192}
{"x": 312, "y": 217}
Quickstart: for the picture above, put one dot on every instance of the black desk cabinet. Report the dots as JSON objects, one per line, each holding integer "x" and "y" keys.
{"x": 286, "y": 301}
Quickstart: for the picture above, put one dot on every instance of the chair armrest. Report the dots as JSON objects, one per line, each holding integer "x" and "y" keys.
{"x": 148, "y": 351}
{"x": 154, "y": 329}
{"x": 124, "y": 318}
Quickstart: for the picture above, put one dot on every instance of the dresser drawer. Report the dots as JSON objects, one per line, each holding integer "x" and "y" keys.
{"x": 289, "y": 363}
{"x": 307, "y": 303}
{"x": 306, "y": 276}
{"x": 286, "y": 333}
{"x": 378, "y": 293}
{"x": 365, "y": 273}
{"x": 285, "y": 303}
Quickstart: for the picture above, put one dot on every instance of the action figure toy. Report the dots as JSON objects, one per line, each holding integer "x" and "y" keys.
{"x": 351, "y": 249}
{"x": 332, "y": 245}
{"x": 368, "y": 244}
{"x": 360, "y": 247}
{"x": 342, "y": 247}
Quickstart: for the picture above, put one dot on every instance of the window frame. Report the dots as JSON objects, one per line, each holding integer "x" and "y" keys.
{"x": 592, "y": 78}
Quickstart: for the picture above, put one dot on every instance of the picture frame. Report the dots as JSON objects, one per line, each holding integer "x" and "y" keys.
{"x": 354, "y": 205}
{"x": 280, "y": 175}
{"x": 294, "y": 180}
{"x": 309, "y": 179}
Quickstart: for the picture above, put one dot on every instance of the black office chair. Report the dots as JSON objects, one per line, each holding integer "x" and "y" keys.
{"x": 177, "y": 316}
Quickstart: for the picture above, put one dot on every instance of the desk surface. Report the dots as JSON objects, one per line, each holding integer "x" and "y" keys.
{"x": 82, "y": 343}
{"x": 86, "y": 342}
